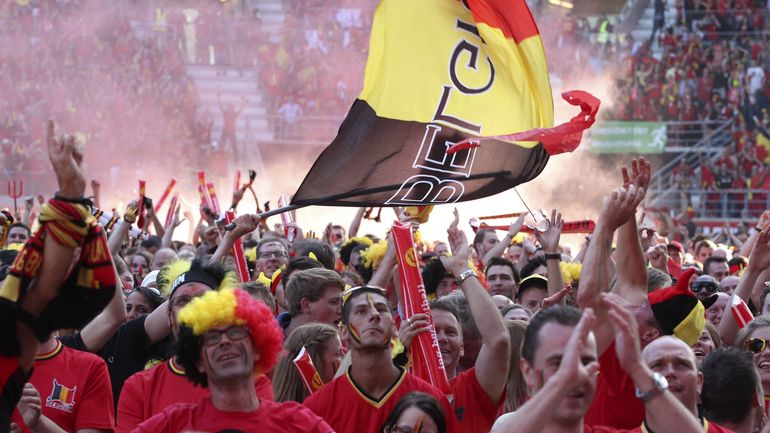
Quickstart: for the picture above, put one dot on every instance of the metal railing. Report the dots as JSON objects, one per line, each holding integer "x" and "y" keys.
{"x": 305, "y": 130}
{"x": 716, "y": 137}
{"x": 743, "y": 204}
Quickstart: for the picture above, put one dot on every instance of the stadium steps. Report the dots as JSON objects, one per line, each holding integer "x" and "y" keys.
{"x": 663, "y": 191}
{"x": 643, "y": 28}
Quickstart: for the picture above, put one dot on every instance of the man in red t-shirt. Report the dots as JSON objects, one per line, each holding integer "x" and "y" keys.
{"x": 675, "y": 361}
{"x": 149, "y": 392}
{"x": 72, "y": 388}
{"x": 559, "y": 365}
{"x": 227, "y": 340}
{"x": 362, "y": 398}
{"x": 478, "y": 392}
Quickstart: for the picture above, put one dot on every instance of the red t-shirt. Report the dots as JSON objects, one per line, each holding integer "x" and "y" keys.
{"x": 74, "y": 389}
{"x": 474, "y": 410}
{"x": 614, "y": 389}
{"x": 348, "y": 409}
{"x": 148, "y": 392}
{"x": 203, "y": 416}
{"x": 708, "y": 427}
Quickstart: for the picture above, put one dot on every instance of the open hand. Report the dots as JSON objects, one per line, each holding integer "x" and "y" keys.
{"x": 66, "y": 157}
{"x": 640, "y": 174}
{"x": 619, "y": 206}
{"x": 549, "y": 239}
{"x": 458, "y": 261}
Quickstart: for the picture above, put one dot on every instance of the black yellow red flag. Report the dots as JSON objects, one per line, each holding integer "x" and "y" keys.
{"x": 445, "y": 74}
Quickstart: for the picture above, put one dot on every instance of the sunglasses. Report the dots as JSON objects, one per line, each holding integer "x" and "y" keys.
{"x": 234, "y": 333}
{"x": 709, "y": 287}
{"x": 757, "y": 345}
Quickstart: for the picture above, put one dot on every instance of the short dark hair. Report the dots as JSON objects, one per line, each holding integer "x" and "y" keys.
{"x": 152, "y": 295}
{"x": 657, "y": 279}
{"x": 500, "y": 261}
{"x": 152, "y": 242}
{"x": 22, "y": 225}
{"x": 310, "y": 284}
{"x": 298, "y": 264}
{"x": 265, "y": 241}
{"x": 425, "y": 402}
{"x": 712, "y": 259}
{"x": 531, "y": 265}
{"x": 480, "y": 235}
{"x": 323, "y": 253}
{"x": 432, "y": 274}
{"x": 346, "y": 306}
{"x": 561, "y": 314}
{"x": 729, "y": 385}
{"x": 259, "y": 290}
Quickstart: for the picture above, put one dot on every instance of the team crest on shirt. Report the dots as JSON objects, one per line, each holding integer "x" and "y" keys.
{"x": 62, "y": 397}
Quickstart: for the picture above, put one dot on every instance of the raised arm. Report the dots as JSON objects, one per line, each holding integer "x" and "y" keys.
{"x": 356, "y": 223}
{"x": 98, "y": 331}
{"x": 121, "y": 229}
{"x": 596, "y": 273}
{"x": 549, "y": 240}
{"x": 168, "y": 237}
{"x": 663, "y": 412}
{"x": 759, "y": 260}
{"x": 244, "y": 224}
{"x": 631, "y": 265}
{"x": 493, "y": 360}
{"x": 505, "y": 242}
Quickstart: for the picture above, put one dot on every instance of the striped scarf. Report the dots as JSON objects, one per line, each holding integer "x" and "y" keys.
{"x": 87, "y": 289}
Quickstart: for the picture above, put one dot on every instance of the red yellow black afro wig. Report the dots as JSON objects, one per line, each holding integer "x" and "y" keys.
{"x": 223, "y": 308}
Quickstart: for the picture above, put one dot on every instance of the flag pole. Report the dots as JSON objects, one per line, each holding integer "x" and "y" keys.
{"x": 360, "y": 192}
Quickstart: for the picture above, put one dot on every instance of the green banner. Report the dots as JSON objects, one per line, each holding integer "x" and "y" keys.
{"x": 627, "y": 137}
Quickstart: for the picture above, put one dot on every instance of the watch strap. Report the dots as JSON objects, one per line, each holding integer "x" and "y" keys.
{"x": 465, "y": 275}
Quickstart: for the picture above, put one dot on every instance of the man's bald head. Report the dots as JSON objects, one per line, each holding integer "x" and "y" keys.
{"x": 666, "y": 343}
{"x": 673, "y": 359}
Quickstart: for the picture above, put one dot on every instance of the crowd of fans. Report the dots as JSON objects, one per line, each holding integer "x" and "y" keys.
{"x": 296, "y": 333}
{"x": 87, "y": 67}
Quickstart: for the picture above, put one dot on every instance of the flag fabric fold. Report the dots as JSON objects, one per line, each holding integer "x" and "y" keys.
{"x": 441, "y": 72}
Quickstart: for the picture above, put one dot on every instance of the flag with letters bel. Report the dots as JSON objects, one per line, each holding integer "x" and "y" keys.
{"x": 456, "y": 106}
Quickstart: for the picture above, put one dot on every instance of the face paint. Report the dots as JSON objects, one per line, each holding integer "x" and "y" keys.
{"x": 370, "y": 301}
{"x": 354, "y": 333}
{"x": 418, "y": 425}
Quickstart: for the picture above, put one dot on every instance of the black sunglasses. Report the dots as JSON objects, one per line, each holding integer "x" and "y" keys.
{"x": 757, "y": 345}
{"x": 708, "y": 286}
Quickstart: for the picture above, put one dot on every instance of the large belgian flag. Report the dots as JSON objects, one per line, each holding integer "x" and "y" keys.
{"x": 440, "y": 72}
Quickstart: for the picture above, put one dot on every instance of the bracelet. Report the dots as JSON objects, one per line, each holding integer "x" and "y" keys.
{"x": 554, "y": 256}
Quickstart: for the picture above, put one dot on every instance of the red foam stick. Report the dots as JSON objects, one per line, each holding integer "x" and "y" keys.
{"x": 237, "y": 184}
{"x": 203, "y": 191}
{"x": 307, "y": 371}
{"x": 166, "y": 192}
{"x": 171, "y": 210}
{"x": 213, "y": 198}
{"x": 286, "y": 219}
{"x": 240, "y": 258}
{"x": 425, "y": 353}
{"x": 741, "y": 312}
{"x": 142, "y": 190}
{"x": 570, "y": 227}
{"x": 501, "y": 216}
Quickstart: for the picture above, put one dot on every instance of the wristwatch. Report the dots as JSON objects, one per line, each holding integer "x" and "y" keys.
{"x": 465, "y": 275}
{"x": 659, "y": 384}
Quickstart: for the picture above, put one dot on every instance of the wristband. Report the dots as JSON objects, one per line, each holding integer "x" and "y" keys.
{"x": 554, "y": 256}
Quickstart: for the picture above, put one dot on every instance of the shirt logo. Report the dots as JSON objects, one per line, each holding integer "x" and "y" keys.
{"x": 62, "y": 397}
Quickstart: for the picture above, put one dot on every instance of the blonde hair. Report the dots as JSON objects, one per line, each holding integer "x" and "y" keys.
{"x": 287, "y": 383}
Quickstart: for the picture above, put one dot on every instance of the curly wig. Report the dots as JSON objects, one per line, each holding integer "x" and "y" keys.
{"x": 223, "y": 308}
{"x": 347, "y": 247}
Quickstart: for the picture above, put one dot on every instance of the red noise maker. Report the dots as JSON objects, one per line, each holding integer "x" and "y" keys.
{"x": 570, "y": 227}
{"x": 166, "y": 192}
{"x": 171, "y": 210}
{"x": 424, "y": 352}
{"x": 240, "y": 258}
{"x": 213, "y": 198}
{"x": 741, "y": 312}
{"x": 142, "y": 190}
{"x": 307, "y": 371}
{"x": 237, "y": 184}
{"x": 203, "y": 191}
{"x": 286, "y": 219}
